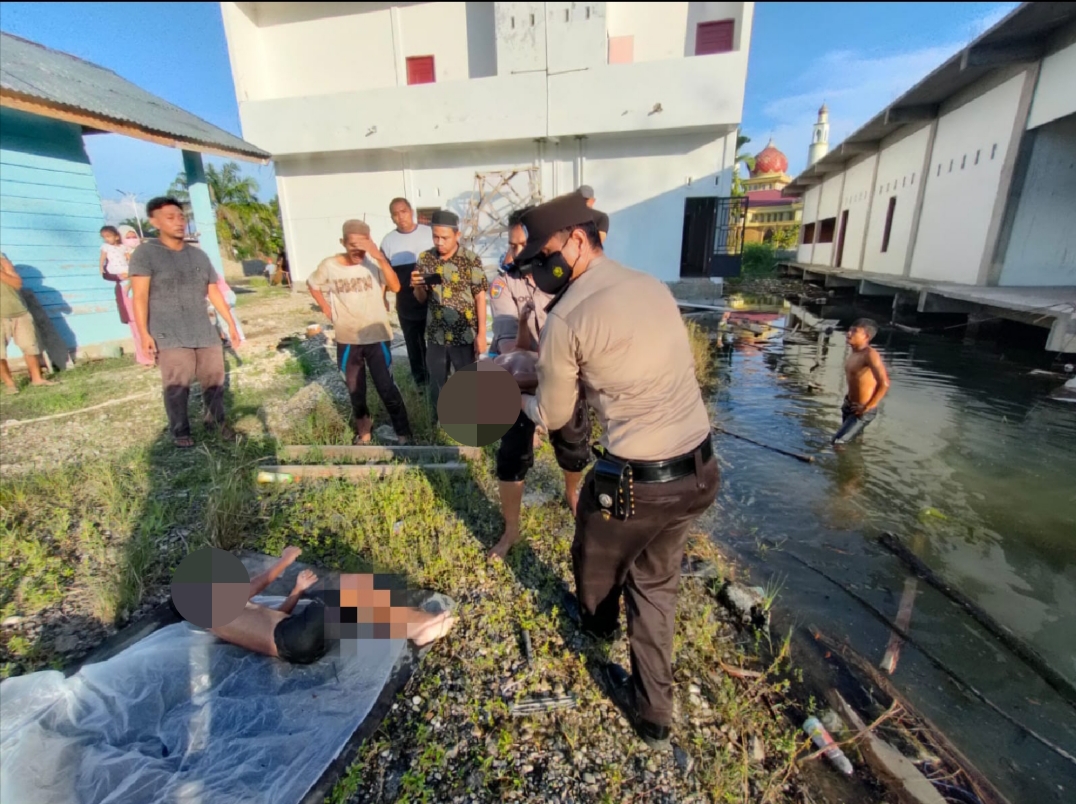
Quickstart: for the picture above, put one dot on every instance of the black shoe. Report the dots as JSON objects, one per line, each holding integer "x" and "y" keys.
{"x": 657, "y": 738}
{"x": 616, "y": 682}
{"x": 573, "y": 611}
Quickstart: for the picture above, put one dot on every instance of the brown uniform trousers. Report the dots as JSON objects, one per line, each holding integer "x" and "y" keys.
{"x": 640, "y": 558}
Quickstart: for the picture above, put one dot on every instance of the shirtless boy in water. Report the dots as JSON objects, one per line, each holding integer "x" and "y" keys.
{"x": 300, "y": 638}
{"x": 868, "y": 382}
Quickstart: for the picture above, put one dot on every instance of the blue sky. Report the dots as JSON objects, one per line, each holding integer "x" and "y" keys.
{"x": 855, "y": 56}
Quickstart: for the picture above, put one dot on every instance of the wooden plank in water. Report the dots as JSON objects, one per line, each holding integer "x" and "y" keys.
{"x": 378, "y": 453}
{"x": 355, "y": 471}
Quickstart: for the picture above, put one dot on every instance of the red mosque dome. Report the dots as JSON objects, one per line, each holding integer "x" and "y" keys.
{"x": 770, "y": 160}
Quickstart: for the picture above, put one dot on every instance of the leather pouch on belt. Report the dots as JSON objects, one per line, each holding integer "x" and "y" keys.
{"x": 614, "y": 488}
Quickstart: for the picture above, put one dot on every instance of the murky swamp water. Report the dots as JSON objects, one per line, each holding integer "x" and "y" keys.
{"x": 973, "y": 467}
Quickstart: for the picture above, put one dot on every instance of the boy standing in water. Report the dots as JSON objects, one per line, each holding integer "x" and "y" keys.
{"x": 867, "y": 379}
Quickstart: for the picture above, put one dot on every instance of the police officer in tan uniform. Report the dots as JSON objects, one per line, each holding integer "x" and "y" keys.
{"x": 518, "y": 317}
{"x": 619, "y": 334}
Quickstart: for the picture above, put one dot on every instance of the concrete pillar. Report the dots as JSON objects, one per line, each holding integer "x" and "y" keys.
{"x": 205, "y": 220}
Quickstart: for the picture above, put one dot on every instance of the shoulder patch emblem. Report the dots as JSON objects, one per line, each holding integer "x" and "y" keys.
{"x": 496, "y": 288}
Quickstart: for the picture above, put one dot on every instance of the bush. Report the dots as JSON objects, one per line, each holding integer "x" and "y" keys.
{"x": 759, "y": 260}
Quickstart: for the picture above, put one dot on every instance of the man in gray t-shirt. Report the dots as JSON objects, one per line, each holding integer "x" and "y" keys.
{"x": 401, "y": 247}
{"x": 171, "y": 281}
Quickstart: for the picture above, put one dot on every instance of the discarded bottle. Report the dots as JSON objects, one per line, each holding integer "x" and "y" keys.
{"x": 818, "y": 734}
{"x": 276, "y": 477}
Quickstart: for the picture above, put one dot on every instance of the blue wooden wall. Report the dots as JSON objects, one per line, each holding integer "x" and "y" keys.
{"x": 50, "y": 221}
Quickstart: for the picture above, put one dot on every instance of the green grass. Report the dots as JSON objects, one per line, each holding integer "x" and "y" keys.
{"x": 253, "y": 290}
{"x": 79, "y": 387}
{"x": 115, "y": 530}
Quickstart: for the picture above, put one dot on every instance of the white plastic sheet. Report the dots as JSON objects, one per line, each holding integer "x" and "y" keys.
{"x": 183, "y": 718}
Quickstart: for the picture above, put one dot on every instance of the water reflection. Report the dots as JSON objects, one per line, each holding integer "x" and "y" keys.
{"x": 969, "y": 463}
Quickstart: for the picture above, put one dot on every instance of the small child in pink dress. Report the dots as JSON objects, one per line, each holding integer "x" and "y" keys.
{"x": 114, "y": 268}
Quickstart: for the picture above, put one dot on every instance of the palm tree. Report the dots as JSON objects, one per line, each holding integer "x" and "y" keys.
{"x": 747, "y": 159}
{"x": 245, "y": 226}
{"x": 141, "y": 225}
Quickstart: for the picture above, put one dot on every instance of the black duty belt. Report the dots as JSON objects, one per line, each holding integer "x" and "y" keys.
{"x": 669, "y": 469}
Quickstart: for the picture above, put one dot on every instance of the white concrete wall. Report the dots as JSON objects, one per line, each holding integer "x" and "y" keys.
{"x": 831, "y": 198}
{"x": 328, "y": 55}
{"x": 810, "y": 205}
{"x": 576, "y": 36}
{"x": 702, "y": 91}
{"x": 667, "y": 30}
{"x": 900, "y": 172}
{"x": 330, "y": 48}
{"x": 1055, "y": 94}
{"x": 640, "y": 182}
{"x": 399, "y": 117}
{"x": 439, "y": 30}
{"x": 1042, "y": 245}
{"x": 959, "y": 201}
{"x": 857, "y": 196}
{"x": 245, "y": 52}
{"x": 320, "y": 193}
{"x": 520, "y": 42}
{"x": 337, "y": 72}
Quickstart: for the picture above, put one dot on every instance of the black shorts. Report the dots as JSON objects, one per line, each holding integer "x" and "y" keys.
{"x": 571, "y": 445}
{"x": 300, "y": 637}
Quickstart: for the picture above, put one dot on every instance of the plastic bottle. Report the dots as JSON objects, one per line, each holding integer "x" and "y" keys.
{"x": 818, "y": 734}
{"x": 276, "y": 477}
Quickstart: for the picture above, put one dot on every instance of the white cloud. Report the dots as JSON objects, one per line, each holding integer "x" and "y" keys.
{"x": 855, "y": 87}
{"x": 117, "y": 210}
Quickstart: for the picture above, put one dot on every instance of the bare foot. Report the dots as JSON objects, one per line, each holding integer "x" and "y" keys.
{"x": 306, "y": 579}
{"x": 423, "y": 633}
{"x": 42, "y": 382}
{"x": 11, "y": 389}
{"x": 501, "y": 548}
{"x": 290, "y": 554}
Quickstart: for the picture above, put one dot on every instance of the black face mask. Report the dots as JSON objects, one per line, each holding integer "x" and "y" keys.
{"x": 551, "y": 273}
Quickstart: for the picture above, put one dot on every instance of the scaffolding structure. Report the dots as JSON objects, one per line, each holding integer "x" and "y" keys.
{"x": 496, "y": 195}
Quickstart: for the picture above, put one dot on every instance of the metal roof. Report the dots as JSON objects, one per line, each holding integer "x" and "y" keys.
{"x": 58, "y": 85}
{"x": 1021, "y": 37}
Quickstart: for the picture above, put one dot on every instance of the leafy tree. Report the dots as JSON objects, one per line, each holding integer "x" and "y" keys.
{"x": 741, "y": 158}
{"x": 787, "y": 237}
{"x": 246, "y": 227}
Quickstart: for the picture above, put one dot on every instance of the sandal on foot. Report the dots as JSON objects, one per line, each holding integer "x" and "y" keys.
{"x": 184, "y": 442}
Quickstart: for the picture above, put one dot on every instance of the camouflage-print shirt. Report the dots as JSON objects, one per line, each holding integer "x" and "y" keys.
{"x": 452, "y": 319}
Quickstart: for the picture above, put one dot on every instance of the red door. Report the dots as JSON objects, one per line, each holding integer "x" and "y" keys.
{"x": 714, "y": 37}
{"x": 420, "y": 70}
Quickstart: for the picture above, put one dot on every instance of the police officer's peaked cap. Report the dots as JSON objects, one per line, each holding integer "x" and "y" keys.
{"x": 443, "y": 217}
{"x": 545, "y": 220}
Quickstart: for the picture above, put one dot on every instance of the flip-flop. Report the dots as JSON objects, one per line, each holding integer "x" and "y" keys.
{"x": 185, "y": 442}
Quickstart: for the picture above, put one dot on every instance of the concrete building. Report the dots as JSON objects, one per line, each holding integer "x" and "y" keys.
{"x": 50, "y": 209}
{"x": 480, "y": 107}
{"x": 962, "y": 192}
{"x": 770, "y": 215}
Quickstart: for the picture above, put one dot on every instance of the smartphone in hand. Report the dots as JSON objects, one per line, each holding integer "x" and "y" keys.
{"x": 433, "y": 279}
